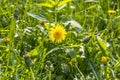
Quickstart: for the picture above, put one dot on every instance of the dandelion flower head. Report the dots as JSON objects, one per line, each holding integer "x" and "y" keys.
{"x": 111, "y": 11}
{"x": 57, "y": 34}
{"x": 104, "y": 59}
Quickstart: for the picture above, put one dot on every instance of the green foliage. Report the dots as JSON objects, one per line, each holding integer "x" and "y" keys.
{"x": 27, "y": 52}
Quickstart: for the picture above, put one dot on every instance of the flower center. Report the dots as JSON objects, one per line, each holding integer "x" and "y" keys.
{"x": 57, "y": 35}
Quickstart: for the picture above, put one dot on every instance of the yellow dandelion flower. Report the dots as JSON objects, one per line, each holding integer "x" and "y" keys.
{"x": 57, "y": 34}
{"x": 111, "y": 11}
{"x": 104, "y": 59}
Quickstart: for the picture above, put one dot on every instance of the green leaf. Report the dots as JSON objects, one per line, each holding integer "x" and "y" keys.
{"x": 36, "y": 16}
{"x": 71, "y": 52}
{"x": 101, "y": 43}
{"x": 61, "y": 7}
{"x": 59, "y": 77}
{"x": 95, "y": 73}
{"x": 74, "y": 23}
{"x": 65, "y": 68}
{"x": 52, "y": 50}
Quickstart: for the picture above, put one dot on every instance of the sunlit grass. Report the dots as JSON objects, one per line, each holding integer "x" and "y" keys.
{"x": 85, "y": 45}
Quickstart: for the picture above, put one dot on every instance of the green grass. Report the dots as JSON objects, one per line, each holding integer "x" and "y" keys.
{"x": 27, "y": 52}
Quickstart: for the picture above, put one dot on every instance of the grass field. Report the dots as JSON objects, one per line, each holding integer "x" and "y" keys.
{"x": 59, "y": 40}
